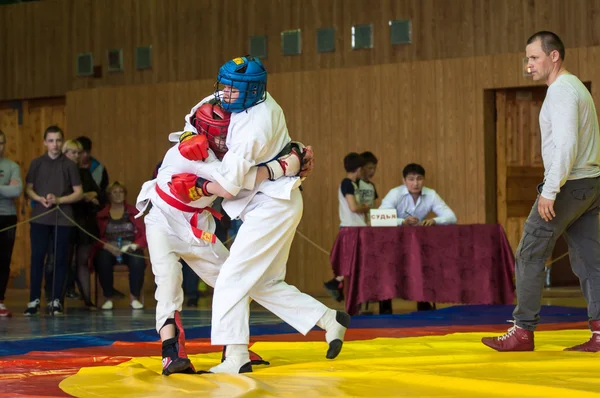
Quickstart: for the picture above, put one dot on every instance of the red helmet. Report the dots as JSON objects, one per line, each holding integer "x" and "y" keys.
{"x": 213, "y": 120}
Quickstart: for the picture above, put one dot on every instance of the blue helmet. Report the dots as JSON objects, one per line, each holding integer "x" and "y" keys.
{"x": 246, "y": 74}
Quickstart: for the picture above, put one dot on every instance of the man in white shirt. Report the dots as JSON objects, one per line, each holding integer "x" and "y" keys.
{"x": 568, "y": 200}
{"x": 413, "y": 202}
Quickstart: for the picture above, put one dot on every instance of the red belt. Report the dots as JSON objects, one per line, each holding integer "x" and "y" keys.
{"x": 198, "y": 233}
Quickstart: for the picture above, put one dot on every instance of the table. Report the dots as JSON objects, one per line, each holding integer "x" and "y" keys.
{"x": 468, "y": 264}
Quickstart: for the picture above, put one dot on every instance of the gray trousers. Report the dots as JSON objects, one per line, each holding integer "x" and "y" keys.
{"x": 577, "y": 208}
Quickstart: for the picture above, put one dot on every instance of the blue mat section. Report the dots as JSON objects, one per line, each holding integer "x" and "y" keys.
{"x": 466, "y": 315}
{"x": 457, "y": 315}
{"x": 56, "y": 343}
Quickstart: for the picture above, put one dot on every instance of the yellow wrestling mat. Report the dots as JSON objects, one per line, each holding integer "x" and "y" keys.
{"x": 430, "y": 366}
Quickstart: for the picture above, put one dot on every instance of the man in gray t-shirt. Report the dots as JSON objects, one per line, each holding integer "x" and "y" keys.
{"x": 568, "y": 201}
{"x": 52, "y": 180}
{"x": 10, "y": 189}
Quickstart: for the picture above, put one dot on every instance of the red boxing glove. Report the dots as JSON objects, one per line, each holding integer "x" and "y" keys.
{"x": 193, "y": 146}
{"x": 183, "y": 187}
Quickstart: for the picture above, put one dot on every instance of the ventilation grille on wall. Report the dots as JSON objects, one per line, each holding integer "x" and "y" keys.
{"x": 325, "y": 40}
{"x": 291, "y": 42}
{"x": 258, "y": 46}
{"x": 85, "y": 64}
{"x": 400, "y": 32}
{"x": 362, "y": 36}
{"x": 115, "y": 60}
{"x": 143, "y": 57}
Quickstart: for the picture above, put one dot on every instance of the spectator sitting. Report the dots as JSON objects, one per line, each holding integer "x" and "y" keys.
{"x": 413, "y": 202}
{"x": 116, "y": 223}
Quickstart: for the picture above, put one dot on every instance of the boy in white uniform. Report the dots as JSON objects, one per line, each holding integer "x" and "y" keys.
{"x": 176, "y": 229}
{"x": 256, "y": 266}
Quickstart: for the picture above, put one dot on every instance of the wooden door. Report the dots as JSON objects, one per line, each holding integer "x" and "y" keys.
{"x": 518, "y": 157}
{"x": 519, "y": 169}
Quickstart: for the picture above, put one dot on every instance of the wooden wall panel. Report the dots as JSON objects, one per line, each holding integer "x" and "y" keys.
{"x": 398, "y": 125}
{"x": 129, "y": 126}
{"x": 191, "y": 38}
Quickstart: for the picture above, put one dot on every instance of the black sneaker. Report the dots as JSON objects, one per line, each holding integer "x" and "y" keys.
{"x": 55, "y": 307}
{"x": 175, "y": 360}
{"x": 335, "y": 289}
{"x": 32, "y": 308}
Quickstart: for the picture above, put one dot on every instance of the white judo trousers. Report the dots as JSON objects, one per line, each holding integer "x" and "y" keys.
{"x": 256, "y": 268}
{"x": 167, "y": 242}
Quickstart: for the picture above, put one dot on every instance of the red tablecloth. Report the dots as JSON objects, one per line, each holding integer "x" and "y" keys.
{"x": 469, "y": 264}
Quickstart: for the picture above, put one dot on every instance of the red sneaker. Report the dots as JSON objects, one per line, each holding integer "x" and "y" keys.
{"x": 516, "y": 339}
{"x": 180, "y": 363}
{"x": 593, "y": 344}
{"x": 5, "y": 313}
